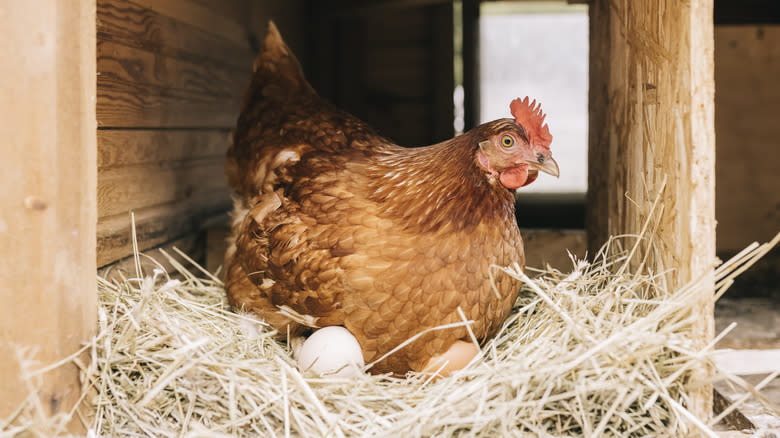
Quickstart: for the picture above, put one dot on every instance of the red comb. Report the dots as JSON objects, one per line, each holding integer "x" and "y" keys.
{"x": 530, "y": 117}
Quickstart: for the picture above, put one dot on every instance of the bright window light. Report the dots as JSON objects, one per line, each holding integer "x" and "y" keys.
{"x": 540, "y": 49}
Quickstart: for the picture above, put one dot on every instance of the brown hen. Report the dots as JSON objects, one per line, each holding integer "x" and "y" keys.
{"x": 336, "y": 225}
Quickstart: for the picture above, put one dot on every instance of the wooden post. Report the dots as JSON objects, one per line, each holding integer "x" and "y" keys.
{"x": 652, "y": 117}
{"x": 48, "y": 201}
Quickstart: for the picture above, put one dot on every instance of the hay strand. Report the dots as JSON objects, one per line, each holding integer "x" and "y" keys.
{"x": 588, "y": 353}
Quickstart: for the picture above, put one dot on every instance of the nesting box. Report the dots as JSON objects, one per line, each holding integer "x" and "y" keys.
{"x": 113, "y": 106}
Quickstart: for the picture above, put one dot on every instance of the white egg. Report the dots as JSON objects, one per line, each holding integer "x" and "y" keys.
{"x": 330, "y": 351}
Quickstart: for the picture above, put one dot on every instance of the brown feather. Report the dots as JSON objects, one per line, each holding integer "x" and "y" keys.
{"x": 339, "y": 224}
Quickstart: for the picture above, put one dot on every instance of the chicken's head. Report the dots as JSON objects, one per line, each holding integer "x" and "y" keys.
{"x": 516, "y": 150}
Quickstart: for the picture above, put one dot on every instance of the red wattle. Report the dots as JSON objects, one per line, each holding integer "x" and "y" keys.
{"x": 531, "y": 178}
{"x": 515, "y": 177}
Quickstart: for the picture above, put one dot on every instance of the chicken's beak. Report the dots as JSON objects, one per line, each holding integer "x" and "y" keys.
{"x": 549, "y": 165}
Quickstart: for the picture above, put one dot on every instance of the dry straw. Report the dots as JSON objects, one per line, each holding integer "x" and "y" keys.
{"x": 600, "y": 351}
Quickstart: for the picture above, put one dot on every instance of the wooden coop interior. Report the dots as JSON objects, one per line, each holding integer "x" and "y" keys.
{"x": 118, "y": 106}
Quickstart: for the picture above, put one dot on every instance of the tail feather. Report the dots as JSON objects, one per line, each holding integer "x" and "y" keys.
{"x": 274, "y": 47}
{"x": 277, "y": 72}
{"x": 282, "y": 118}
{"x": 277, "y": 82}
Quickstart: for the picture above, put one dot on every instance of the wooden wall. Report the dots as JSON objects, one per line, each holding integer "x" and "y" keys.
{"x": 171, "y": 76}
{"x": 747, "y": 126}
{"x": 389, "y": 64}
{"x": 651, "y": 107}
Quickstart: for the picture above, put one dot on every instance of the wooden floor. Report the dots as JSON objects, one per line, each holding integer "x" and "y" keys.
{"x": 752, "y": 351}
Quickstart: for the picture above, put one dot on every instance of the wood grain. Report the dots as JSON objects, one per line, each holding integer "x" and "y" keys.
{"x": 165, "y": 64}
{"x": 139, "y": 88}
{"x": 123, "y": 147}
{"x": 127, "y": 64}
{"x": 224, "y": 18}
{"x": 177, "y": 70}
{"x": 48, "y": 214}
{"x": 123, "y": 189}
{"x": 172, "y": 179}
{"x": 154, "y": 226}
{"x": 652, "y": 118}
{"x": 131, "y": 24}
{"x": 127, "y": 104}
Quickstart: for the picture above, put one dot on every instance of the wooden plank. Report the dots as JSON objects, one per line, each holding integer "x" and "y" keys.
{"x": 123, "y": 147}
{"x": 191, "y": 244}
{"x": 169, "y": 63}
{"x": 154, "y": 226}
{"x": 123, "y": 189}
{"x": 131, "y": 24}
{"x": 747, "y": 102}
{"x": 130, "y": 104}
{"x": 655, "y": 121}
{"x": 139, "y": 88}
{"x": 127, "y": 64}
{"x": 47, "y": 224}
{"x": 172, "y": 179}
{"x": 223, "y": 18}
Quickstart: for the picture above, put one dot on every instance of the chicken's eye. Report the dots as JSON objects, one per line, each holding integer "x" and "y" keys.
{"x": 507, "y": 141}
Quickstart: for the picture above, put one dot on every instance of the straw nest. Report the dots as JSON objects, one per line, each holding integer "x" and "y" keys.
{"x": 600, "y": 351}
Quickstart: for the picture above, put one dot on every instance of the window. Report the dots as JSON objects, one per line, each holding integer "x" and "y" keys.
{"x": 540, "y": 49}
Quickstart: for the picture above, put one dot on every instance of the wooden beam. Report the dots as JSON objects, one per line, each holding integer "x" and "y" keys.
{"x": 652, "y": 118}
{"x": 470, "y": 26}
{"x": 48, "y": 207}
